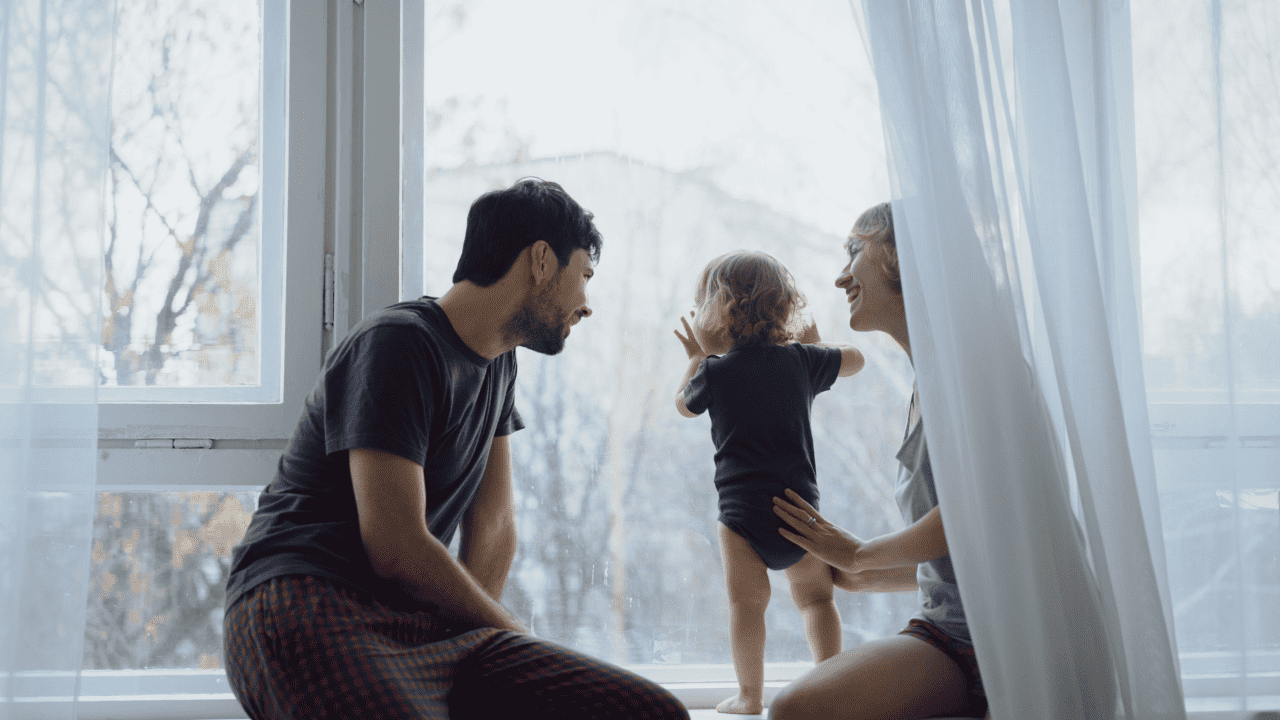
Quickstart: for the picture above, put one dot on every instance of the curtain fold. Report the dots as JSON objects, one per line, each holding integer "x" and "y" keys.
{"x": 1009, "y": 131}
{"x": 55, "y": 71}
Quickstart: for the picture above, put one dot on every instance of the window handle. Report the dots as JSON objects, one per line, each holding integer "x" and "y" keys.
{"x": 175, "y": 443}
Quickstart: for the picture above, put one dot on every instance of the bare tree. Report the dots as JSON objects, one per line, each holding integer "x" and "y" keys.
{"x": 160, "y": 567}
{"x": 180, "y": 260}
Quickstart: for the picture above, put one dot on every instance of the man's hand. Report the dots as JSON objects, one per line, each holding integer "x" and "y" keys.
{"x": 692, "y": 348}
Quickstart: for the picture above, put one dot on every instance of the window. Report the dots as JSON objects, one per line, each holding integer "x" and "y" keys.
{"x": 1211, "y": 322}
{"x": 626, "y": 480}
{"x": 692, "y": 131}
{"x": 211, "y": 315}
{"x": 185, "y": 311}
{"x": 160, "y": 567}
{"x": 210, "y": 93}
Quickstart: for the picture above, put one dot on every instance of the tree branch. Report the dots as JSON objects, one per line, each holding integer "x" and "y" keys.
{"x": 192, "y": 252}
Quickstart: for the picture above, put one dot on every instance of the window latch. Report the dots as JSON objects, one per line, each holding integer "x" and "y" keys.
{"x": 175, "y": 443}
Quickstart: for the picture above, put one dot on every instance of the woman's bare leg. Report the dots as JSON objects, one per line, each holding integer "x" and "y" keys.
{"x": 893, "y": 678}
{"x": 747, "y": 579}
{"x": 811, "y": 590}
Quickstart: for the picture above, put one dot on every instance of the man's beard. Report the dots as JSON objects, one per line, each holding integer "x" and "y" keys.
{"x": 536, "y": 324}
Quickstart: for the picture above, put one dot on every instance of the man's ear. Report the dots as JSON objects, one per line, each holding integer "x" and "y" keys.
{"x": 543, "y": 263}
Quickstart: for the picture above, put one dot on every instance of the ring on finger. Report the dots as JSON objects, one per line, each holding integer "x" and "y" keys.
{"x": 811, "y": 520}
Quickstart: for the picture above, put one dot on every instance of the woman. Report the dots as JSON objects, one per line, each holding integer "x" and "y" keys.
{"x": 929, "y": 669}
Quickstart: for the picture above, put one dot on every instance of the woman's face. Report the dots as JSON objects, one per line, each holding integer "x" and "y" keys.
{"x": 873, "y": 303}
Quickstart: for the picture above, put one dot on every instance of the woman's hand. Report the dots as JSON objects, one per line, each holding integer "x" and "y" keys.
{"x": 691, "y": 347}
{"x": 812, "y": 532}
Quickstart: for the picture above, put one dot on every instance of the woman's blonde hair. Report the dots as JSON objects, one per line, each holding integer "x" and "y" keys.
{"x": 751, "y": 297}
{"x": 876, "y": 225}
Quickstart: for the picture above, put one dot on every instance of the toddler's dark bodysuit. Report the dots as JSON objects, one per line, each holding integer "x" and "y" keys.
{"x": 759, "y": 397}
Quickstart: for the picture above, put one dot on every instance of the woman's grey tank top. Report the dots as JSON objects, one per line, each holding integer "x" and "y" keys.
{"x": 916, "y": 496}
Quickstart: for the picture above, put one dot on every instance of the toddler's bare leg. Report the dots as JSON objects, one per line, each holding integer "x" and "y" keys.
{"x": 811, "y": 583}
{"x": 747, "y": 579}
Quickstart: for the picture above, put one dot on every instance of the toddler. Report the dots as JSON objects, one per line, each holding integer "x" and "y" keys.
{"x": 747, "y": 368}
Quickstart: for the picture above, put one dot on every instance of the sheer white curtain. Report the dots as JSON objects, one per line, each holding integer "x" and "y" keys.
{"x": 55, "y": 64}
{"x": 1009, "y": 130}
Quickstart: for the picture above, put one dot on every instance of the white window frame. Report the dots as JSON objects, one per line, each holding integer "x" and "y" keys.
{"x": 344, "y": 186}
{"x": 293, "y": 185}
{"x": 1210, "y": 680}
{"x": 331, "y": 169}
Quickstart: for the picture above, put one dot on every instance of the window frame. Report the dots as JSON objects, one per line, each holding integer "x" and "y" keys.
{"x": 334, "y": 102}
{"x": 1193, "y": 420}
{"x": 294, "y": 124}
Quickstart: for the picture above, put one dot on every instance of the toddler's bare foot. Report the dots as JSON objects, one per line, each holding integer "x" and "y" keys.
{"x": 738, "y": 705}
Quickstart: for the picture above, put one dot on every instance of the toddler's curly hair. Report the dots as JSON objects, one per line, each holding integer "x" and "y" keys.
{"x": 752, "y": 297}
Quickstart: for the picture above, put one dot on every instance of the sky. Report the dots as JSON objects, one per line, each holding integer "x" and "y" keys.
{"x": 773, "y": 102}
{"x": 777, "y": 103}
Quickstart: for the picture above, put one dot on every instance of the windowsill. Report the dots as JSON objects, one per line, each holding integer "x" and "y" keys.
{"x": 201, "y": 694}
{"x": 205, "y": 694}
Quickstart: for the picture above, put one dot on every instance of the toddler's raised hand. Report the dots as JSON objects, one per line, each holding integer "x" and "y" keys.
{"x": 809, "y": 331}
{"x": 691, "y": 346}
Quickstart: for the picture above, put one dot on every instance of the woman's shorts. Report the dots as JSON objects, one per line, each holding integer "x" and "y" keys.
{"x": 962, "y": 655}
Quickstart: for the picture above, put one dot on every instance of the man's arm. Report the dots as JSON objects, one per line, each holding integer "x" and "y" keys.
{"x": 391, "y": 501}
{"x": 489, "y": 526}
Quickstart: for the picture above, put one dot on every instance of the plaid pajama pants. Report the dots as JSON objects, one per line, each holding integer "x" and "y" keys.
{"x": 303, "y": 647}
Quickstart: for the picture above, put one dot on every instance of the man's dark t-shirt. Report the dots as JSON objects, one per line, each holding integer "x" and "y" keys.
{"x": 759, "y": 397}
{"x": 402, "y": 382}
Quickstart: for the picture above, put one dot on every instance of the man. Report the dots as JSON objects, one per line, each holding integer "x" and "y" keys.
{"x": 343, "y": 600}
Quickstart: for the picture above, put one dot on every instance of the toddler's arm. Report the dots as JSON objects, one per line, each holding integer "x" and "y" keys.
{"x": 694, "y": 362}
{"x": 696, "y": 356}
{"x": 851, "y": 359}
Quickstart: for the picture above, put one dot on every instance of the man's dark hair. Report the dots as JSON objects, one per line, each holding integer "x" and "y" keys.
{"x": 502, "y": 223}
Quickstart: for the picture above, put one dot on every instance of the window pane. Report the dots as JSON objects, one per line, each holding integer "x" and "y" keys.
{"x": 159, "y": 575}
{"x": 181, "y": 304}
{"x": 1209, "y": 203}
{"x": 693, "y": 130}
{"x": 1211, "y": 303}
